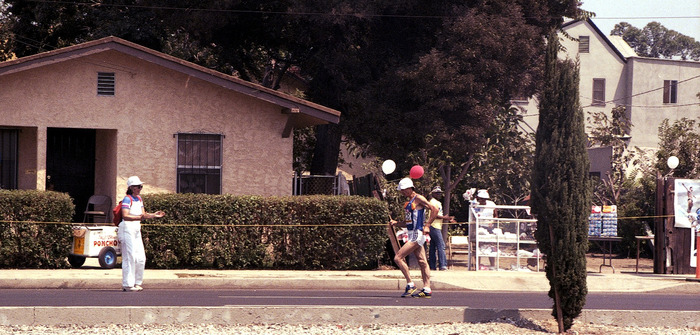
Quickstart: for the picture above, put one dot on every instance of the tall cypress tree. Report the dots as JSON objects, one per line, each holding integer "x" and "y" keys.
{"x": 560, "y": 186}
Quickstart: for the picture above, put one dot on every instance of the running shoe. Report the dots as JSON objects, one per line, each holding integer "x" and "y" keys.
{"x": 422, "y": 294}
{"x": 138, "y": 287}
{"x": 129, "y": 289}
{"x": 409, "y": 291}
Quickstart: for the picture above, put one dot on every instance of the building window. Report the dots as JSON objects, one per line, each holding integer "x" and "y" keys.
{"x": 8, "y": 158}
{"x": 670, "y": 91}
{"x": 598, "y": 92}
{"x": 583, "y": 44}
{"x": 105, "y": 83}
{"x": 199, "y": 163}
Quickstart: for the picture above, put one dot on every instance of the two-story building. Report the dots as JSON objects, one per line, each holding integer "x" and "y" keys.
{"x": 612, "y": 74}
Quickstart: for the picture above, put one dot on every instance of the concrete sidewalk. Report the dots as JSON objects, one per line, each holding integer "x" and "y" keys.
{"x": 95, "y": 277}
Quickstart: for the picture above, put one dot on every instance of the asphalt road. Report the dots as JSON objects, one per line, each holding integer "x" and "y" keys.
{"x": 470, "y": 299}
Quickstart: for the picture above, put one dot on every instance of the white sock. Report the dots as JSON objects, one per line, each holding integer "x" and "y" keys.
{"x": 411, "y": 284}
{"x": 427, "y": 290}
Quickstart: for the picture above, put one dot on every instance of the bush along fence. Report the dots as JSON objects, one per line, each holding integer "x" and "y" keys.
{"x": 29, "y": 237}
{"x": 212, "y": 231}
{"x": 248, "y": 232}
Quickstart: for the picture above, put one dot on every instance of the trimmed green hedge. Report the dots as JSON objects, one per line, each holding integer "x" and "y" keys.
{"x": 210, "y": 231}
{"x": 250, "y": 232}
{"x": 26, "y": 245}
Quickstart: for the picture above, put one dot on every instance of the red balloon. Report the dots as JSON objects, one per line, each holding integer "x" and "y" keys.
{"x": 416, "y": 172}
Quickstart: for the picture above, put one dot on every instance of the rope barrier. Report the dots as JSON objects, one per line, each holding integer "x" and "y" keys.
{"x": 196, "y": 225}
{"x": 274, "y": 225}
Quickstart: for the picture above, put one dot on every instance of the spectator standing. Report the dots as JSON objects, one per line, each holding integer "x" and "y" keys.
{"x": 437, "y": 243}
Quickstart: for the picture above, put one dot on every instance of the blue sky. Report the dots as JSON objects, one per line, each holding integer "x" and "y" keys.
{"x": 682, "y": 16}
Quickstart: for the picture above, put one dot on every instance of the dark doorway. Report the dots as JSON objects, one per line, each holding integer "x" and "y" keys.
{"x": 8, "y": 158}
{"x": 70, "y": 165}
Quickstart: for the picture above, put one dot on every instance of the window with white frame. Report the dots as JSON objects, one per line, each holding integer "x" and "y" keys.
{"x": 670, "y": 91}
{"x": 199, "y": 163}
{"x": 598, "y": 92}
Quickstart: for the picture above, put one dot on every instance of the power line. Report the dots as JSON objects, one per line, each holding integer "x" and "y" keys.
{"x": 356, "y": 14}
{"x": 36, "y": 44}
{"x": 243, "y": 11}
{"x": 647, "y": 92}
{"x": 645, "y": 17}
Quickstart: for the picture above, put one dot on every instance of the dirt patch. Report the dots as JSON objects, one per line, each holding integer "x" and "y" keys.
{"x": 593, "y": 264}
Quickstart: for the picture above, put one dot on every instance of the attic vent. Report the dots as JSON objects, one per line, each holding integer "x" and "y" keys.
{"x": 584, "y": 44}
{"x": 105, "y": 83}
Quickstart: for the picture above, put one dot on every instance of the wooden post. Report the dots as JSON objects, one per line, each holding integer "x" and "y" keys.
{"x": 659, "y": 228}
{"x": 669, "y": 231}
{"x": 392, "y": 237}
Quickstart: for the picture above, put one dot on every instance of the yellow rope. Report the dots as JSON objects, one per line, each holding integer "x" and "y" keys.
{"x": 276, "y": 225}
{"x": 199, "y": 225}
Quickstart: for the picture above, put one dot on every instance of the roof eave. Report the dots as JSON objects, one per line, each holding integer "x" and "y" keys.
{"x": 283, "y": 100}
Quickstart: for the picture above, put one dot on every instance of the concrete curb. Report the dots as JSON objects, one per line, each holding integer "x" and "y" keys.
{"x": 336, "y": 283}
{"x": 219, "y": 283}
{"x": 351, "y": 315}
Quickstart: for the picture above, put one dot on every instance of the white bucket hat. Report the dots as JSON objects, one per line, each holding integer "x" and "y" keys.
{"x": 133, "y": 180}
{"x": 484, "y": 194}
{"x": 405, "y": 183}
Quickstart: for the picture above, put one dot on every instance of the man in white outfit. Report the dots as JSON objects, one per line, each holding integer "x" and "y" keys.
{"x": 129, "y": 234}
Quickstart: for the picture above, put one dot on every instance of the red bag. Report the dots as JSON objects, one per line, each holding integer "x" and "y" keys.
{"x": 117, "y": 211}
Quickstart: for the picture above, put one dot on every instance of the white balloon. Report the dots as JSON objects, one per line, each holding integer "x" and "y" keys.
{"x": 672, "y": 162}
{"x": 388, "y": 166}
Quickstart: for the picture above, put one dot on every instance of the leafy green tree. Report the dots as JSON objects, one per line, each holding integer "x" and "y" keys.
{"x": 505, "y": 164}
{"x": 441, "y": 100}
{"x": 560, "y": 186}
{"x": 680, "y": 139}
{"x": 46, "y": 25}
{"x": 611, "y": 132}
{"x": 657, "y": 41}
{"x": 630, "y": 184}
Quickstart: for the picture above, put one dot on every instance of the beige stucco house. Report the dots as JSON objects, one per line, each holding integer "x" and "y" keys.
{"x": 84, "y": 118}
{"x": 612, "y": 74}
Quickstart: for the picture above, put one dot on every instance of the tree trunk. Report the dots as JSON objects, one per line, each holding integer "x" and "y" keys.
{"x": 325, "y": 159}
{"x": 450, "y": 185}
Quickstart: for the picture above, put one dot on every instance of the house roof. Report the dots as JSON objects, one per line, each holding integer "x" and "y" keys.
{"x": 304, "y": 112}
{"x": 600, "y": 33}
{"x": 622, "y": 46}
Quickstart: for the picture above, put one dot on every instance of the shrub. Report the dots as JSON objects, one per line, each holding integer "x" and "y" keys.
{"x": 210, "y": 231}
{"x": 34, "y": 245}
{"x": 251, "y": 232}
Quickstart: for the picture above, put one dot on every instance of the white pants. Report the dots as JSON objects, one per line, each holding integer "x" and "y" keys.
{"x": 133, "y": 253}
